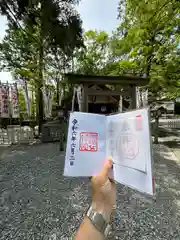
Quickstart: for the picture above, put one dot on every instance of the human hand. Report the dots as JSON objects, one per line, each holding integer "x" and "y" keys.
{"x": 104, "y": 191}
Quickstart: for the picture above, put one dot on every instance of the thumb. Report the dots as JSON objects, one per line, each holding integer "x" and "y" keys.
{"x": 102, "y": 177}
{"x": 107, "y": 166}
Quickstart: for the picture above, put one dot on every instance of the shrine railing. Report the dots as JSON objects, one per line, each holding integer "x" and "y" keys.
{"x": 15, "y": 134}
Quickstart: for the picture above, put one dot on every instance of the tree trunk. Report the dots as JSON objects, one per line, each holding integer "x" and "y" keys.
{"x": 32, "y": 103}
{"x": 40, "y": 95}
{"x": 41, "y": 67}
{"x": 57, "y": 89}
{"x": 150, "y": 55}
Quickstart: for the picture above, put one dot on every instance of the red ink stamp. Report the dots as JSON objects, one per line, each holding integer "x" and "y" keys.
{"x": 138, "y": 122}
{"x": 88, "y": 142}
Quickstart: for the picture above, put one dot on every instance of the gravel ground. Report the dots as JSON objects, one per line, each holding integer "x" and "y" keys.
{"x": 37, "y": 202}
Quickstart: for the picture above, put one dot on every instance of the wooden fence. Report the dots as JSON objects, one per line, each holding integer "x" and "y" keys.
{"x": 15, "y": 134}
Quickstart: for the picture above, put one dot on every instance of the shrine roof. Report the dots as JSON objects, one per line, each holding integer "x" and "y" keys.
{"x": 93, "y": 79}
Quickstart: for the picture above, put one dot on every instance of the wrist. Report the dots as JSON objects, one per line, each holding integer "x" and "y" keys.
{"x": 105, "y": 209}
{"x": 99, "y": 221}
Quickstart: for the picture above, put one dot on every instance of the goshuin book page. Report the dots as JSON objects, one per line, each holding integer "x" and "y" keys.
{"x": 124, "y": 136}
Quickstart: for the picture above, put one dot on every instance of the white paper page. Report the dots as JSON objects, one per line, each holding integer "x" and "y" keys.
{"x": 127, "y": 137}
{"x": 129, "y": 143}
{"x": 85, "y": 151}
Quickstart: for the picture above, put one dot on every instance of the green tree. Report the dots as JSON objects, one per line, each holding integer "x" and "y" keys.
{"x": 55, "y": 23}
{"x": 18, "y": 53}
{"x": 92, "y": 58}
{"x": 148, "y": 37}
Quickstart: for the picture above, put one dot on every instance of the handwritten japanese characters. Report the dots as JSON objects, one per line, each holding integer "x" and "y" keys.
{"x": 73, "y": 141}
{"x": 14, "y": 101}
{"x": 4, "y": 101}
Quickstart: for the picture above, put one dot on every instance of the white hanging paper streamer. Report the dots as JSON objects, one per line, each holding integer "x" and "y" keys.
{"x": 4, "y": 101}
{"x": 14, "y": 101}
{"x": 141, "y": 97}
{"x": 47, "y": 97}
{"x": 50, "y": 98}
{"x": 145, "y": 97}
{"x": 121, "y": 104}
{"x": 138, "y": 98}
{"x": 44, "y": 92}
{"x": 26, "y": 97}
{"x": 80, "y": 97}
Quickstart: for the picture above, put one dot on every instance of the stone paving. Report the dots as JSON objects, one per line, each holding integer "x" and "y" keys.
{"x": 37, "y": 202}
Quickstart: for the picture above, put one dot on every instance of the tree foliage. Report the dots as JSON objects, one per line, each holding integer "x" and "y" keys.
{"x": 59, "y": 23}
{"x": 149, "y": 37}
{"x": 18, "y": 51}
{"x": 92, "y": 57}
{"x": 38, "y": 30}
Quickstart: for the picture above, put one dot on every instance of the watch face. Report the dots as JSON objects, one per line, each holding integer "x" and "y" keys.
{"x": 98, "y": 220}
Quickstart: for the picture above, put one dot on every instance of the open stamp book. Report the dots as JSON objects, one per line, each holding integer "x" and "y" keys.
{"x": 124, "y": 136}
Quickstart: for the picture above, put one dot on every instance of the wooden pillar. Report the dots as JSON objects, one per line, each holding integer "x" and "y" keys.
{"x": 133, "y": 96}
{"x": 85, "y": 98}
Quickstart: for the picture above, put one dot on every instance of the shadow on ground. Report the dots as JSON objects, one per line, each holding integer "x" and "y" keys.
{"x": 171, "y": 137}
{"x": 167, "y": 132}
{"x": 37, "y": 202}
{"x": 172, "y": 144}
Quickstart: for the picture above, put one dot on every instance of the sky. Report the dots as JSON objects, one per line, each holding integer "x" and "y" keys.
{"x": 95, "y": 14}
{"x": 99, "y": 14}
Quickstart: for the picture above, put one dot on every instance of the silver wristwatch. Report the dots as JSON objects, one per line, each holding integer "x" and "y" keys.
{"x": 98, "y": 221}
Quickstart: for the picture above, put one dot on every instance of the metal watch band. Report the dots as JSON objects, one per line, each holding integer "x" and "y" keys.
{"x": 98, "y": 221}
